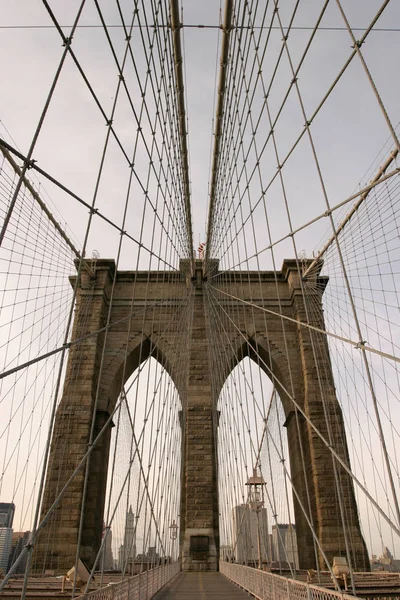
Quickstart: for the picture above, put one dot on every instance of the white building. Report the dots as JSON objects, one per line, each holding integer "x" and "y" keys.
{"x": 247, "y": 525}
{"x": 284, "y": 545}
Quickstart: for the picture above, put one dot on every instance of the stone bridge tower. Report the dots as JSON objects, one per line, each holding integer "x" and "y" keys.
{"x": 156, "y": 296}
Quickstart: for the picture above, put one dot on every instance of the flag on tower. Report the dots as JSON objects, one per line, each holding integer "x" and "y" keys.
{"x": 200, "y": 250}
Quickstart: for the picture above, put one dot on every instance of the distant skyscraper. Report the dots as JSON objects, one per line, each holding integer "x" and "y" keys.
{"x": 270, "y": 547}
{"x": 127, "y": 550}
{"x": 246, "y": 522}
{"x": 121, "y": 556}
{"x": 19, "y": 540}
{"x": 7, "y": 510}
{"x": 108, "y": 559}
{"x": 5, "y": 547}
{"x": 284, "y": 544}
{"x": 226, "y": 552}
{"x": 153, "y": 555}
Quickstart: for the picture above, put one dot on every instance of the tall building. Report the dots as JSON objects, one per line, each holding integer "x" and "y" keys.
{"x": 18, "y": 542}
{"x": 226, "y": 552}
{"x": 386, "y": 562}
{"x": 127, "y": 551}
{"x": 247, "y": 525}
{"x": 153, "y": 555}
{"x": 284, "y": 545}
{"x": 7, "y": 510}
{"x": 121, "y": 563}
{"x": 5, "y": 547}
{"x": 108, "y": 559}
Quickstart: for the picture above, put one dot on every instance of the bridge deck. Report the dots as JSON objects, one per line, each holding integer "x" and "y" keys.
{"x": 200, "y": 586}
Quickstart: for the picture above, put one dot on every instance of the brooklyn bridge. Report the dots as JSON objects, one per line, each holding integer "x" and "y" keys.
{"x": 200, "y": 300}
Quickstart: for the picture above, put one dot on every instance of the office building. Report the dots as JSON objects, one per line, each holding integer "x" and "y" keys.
{"x": 127, "y": 550}
{"x": 5, "y": 548}
{"x": 284, "y": 545}
{"x": 19, "y": 540}
{"x": 107, "y": 559}
{"x": 7, "y": 510}
{"x": 247, "y": 526}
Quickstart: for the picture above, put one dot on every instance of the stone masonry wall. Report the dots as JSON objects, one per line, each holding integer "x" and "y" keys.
{"x": 169, "y": 315}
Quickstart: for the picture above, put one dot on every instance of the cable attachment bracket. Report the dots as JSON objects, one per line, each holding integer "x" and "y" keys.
{"x": 29, "y": 163}
{"x": 361, "y": 344}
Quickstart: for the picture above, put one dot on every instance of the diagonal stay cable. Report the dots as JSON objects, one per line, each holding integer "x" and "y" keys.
{"x": 312, "y": 327}
{"x": 94, "y": 211}
{"x": 31, "y": 543}
{"x": 313, "y": 115}
{"x": 137, "y": 117}
{"x": 108, "y": 121}
{"x": 78, "y": 341}
{"x": 315, "y": 428}
{"x": 40, "y": 201}
{"x": 28, "y": 160}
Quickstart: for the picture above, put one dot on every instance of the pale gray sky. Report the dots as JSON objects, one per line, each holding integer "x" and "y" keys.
{"x": 349, "y": 134}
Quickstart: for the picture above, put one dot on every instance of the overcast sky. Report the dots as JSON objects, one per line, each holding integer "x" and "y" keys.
{"x": 70, "y": 143}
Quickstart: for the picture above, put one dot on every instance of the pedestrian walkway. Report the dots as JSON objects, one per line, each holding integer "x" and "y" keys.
{"x": 201, "y": 586}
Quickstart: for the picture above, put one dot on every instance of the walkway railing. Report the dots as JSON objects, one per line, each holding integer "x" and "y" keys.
{"x": 267, "y": 586}
{"x": 138, "y": 587}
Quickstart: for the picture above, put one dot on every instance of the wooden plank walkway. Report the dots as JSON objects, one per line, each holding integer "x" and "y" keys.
{"x": 201, "y": 586}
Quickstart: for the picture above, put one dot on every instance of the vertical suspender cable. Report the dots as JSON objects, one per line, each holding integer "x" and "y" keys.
{"x": 180, "y": 94}
{"x": 226, "y": 29}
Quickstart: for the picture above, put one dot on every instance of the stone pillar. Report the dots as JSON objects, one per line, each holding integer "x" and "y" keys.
{"x": 199, "y": 535}
{"x": 320, "y": 405}
{"x": 199, "y": 487}
{"x": 57, "y": 542}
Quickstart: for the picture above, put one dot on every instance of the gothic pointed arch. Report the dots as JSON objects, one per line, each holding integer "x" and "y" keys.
{"x": 271, "y": 360}
{"x": 123, "y": 363}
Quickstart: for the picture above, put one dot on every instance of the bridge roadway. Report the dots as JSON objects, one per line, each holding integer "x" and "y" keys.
{"x": 200, "y": 586}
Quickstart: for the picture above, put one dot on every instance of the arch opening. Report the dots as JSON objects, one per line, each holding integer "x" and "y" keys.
{"x": 252, "y": 439}
{"x": 144, "y": 472}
